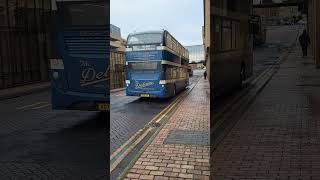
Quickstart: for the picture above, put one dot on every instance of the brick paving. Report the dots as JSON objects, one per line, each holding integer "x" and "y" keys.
{"x": 279, "y": 136}
{"x": 178, "y": 158}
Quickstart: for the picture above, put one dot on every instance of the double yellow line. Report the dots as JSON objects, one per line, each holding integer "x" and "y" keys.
{"x": 143, "y": 132}
{"x": 219, "y": 115}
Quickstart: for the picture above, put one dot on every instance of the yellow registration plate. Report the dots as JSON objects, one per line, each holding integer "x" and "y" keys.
{"x": 103, "y": 107}
{"x": 145, "y": 95}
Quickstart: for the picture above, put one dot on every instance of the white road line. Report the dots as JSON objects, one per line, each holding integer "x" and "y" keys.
{"x": 40, "y": 107}
{"x": 31, "y": 105}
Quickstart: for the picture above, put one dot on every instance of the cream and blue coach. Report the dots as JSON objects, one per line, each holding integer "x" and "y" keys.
{"x": 157, "y": 65}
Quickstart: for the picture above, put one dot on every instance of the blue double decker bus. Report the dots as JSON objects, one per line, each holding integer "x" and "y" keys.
{"x": 80, "y": 55}
{"x": 157, "y": 65}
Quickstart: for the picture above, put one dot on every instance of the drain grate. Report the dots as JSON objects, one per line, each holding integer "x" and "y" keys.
{"x": 155, "y": 125}
{"x": 188, "y": 137}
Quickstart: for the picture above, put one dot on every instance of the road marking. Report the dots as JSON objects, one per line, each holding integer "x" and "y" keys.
{"x": 118, "y": 161}
{"x": 232, "y": 101}
{"x": 246, "y": 102}
{"x": 240, "y": 97}
{"x": 130, "y": 165}
{"x": 40, "y": 107}
{"x": 31, "y": 105}
{"x": 124, "y": 145}
{"x": 156, "y": 119}
{"x": 160, "y": 118}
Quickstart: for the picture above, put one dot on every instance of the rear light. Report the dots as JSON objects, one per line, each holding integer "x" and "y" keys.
{"x": 162, "y": 82}
{"x": 56, "y": 64}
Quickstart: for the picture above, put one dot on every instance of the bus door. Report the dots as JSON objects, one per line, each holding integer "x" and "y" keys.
{"x": 85, "y": 33}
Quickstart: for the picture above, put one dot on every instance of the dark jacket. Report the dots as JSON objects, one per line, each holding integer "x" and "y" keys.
{"x": 304, "y": 39}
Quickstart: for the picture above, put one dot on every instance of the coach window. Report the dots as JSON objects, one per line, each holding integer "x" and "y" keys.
{"x": 174, "y": 72}
{"x": 168, "y": 41}
{"x": 226, "y": 35}
{"x": 169, "y": 72}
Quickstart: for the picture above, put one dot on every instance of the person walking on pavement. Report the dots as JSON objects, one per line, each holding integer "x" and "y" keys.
{"x": 304, "y": 40}
{"x": 205, "y": 75}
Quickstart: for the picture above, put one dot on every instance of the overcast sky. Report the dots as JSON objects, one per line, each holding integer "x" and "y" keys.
{"x": 182, "y": 18}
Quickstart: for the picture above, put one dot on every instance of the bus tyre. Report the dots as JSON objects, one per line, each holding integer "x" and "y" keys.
{"x": 174, "y": 90}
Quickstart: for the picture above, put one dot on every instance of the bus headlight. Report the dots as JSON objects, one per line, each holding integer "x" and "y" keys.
{"x": 128, "y": 49}
{"x": 162, "y": 82}
{"x": 55, "y": 75}
{"x": 56, "y": 64}
{"x": 127, "y": 81}
{"x": 160, "y": 47}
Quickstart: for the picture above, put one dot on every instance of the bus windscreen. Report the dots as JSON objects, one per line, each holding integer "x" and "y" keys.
{"x": 142, "y": 39}
{"x": 144, "y": 66}
{"x": 85, "y": 14}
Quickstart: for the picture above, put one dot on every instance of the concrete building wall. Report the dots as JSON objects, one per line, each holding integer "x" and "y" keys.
{"x": 206, "y": 35}
{"x": 24, "y": 41}
{"x": 117, "y": 58}
{"x": 116, "y": 42}
{"x": 314, "y": 29}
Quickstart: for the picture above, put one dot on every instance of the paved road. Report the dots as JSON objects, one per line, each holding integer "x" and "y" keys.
{"x": 39, "y": 143}
{"x": 129, "y": 114}
{"x": 279, "y": 38}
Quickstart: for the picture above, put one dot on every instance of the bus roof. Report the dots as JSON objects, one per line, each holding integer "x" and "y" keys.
{"x": 147, "y": 32}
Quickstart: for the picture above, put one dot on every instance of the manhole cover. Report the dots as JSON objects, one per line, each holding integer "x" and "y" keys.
{"x": 188, "y": 137}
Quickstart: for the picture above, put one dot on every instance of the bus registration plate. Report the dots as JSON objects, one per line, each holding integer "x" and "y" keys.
{"x": 145, "y": 95}
{"x": 103, "y": 107}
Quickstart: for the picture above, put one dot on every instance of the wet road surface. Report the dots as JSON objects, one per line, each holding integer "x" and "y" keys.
{"x": 39, "y": 143}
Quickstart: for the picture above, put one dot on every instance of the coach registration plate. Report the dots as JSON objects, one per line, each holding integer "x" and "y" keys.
{"x": 103, "y": 107}
{"x": 145, "y": 95}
